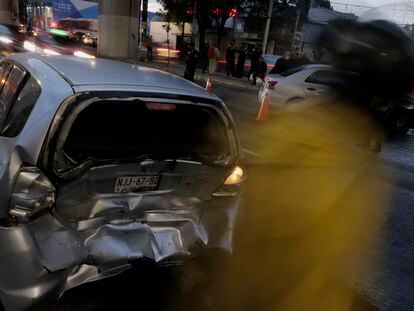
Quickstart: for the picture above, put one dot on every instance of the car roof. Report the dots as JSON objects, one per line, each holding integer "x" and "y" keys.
{"x": 317, "y": 66}
{"x": 82, "y": 72}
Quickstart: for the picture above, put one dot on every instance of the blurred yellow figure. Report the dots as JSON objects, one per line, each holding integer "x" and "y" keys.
{"x": 314, "y": 204}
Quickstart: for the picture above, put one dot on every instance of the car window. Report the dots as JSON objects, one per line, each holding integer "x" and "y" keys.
{"x": 83, "y": 25}
{"x": 4, "y": 72}
{"x": 93, "y": 26}
{"x": 63, "y": 25}
{"x": 324, "y": 77}
{"x": 21, "y": 109}
{"x": 9, "y": 91}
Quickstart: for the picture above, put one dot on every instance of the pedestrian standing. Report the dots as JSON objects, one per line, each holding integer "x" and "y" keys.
{"x": 241, "y": 60}
{"x": 213, "y": 55}
{"x": 148, "y": 45}
{"x": 260, "y": 70}
{"x": 253, "y": 60}
{"x": 282, "y": 64}
{"x": 231, "y": 58}
{"x": 191, "y": 63}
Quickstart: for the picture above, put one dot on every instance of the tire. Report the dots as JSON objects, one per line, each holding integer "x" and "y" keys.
{"x": 399, "y": 121}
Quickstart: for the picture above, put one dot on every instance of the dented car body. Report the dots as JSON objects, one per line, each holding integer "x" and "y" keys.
{"x": 103, "y": 163}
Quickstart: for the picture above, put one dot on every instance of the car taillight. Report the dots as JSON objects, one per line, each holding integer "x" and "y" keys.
{"x": 232, "y": 185}
{"x": 236, "y": 177}
{"x": 32, "y": 194}
{"x": 271, "y": 85}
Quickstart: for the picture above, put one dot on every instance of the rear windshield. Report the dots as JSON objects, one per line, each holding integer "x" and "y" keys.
{"x": 126, "y": 130}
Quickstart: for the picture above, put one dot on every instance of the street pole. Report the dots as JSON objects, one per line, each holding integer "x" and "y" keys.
{"x": 194, "y": 28}
{"x": 266, "y": 34}
{"x": 144, "y": 19}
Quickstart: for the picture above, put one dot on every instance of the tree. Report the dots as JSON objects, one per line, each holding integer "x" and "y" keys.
{"x": 207, "y": 12}
{"x": 179, "y": 12}
{"x": 220, "y": 12}
{"x": 287, "y": 16}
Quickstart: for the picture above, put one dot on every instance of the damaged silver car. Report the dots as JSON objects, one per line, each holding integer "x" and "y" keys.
{"x": 103, "y": 163}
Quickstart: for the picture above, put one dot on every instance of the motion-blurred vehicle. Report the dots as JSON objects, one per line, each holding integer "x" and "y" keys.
{"x": 105, "y": 163}
{"x": 52, "y": 45}
{"x": 10, "y": 39}
{"x": 314, "y": 81}
{"x": 81, "y": 30}
{"x": 165, "y": 50}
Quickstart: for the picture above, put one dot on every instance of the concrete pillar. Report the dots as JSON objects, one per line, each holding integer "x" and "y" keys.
{"x": 9, "y": 11}
{"x": 118, "y": 28}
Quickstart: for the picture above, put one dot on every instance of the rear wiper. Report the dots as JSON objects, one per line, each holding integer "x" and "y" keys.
{"x": 83, "y": 167}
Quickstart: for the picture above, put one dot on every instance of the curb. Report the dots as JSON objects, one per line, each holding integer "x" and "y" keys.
{"x": 247, "y": 86}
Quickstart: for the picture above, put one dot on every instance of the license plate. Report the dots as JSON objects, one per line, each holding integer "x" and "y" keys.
{"x": 136, "y": 183}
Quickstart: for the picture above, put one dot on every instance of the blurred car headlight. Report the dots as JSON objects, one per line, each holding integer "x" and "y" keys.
{"x": 50, "y": 52}
{"x": 29, "y": 46}
{"x": 83, "y": 54}
{"x": 5, "y": 40}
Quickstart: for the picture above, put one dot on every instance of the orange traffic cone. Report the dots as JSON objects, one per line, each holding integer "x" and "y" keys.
{"x": 209, "y": 85}
{"x": 263, "y": 115}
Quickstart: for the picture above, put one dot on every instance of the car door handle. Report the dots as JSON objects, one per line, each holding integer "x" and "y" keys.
{"x": 311, "y": 89}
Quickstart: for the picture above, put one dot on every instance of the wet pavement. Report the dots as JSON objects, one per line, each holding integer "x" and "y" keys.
{"x": 393, "y": 288}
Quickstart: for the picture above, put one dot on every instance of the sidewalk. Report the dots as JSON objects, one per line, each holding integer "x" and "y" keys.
{"x": 218, "y": 78}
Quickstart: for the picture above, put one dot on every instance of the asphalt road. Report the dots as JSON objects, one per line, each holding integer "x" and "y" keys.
{"x": 393, "y": 287}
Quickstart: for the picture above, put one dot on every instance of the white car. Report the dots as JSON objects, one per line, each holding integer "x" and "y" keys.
{"x": 298, "y": 84}
{"x": 316, "y": 81}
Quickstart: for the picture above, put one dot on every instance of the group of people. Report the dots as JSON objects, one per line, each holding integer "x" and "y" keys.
{"x": 258, "y": 68}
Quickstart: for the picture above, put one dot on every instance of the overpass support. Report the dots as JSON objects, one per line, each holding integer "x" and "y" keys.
{"x": 9, "y": 11}
{"x": 118, "y": 28}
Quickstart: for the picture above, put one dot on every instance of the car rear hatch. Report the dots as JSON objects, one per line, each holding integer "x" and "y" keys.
{"x": 120, "y": 159}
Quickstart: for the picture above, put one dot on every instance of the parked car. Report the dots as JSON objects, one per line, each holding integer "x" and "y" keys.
{"x": 103, "y": 163}
{"x": 313, "y": 81}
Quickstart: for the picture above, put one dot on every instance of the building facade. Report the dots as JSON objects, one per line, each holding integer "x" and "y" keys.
{"x": 48, "y": 12}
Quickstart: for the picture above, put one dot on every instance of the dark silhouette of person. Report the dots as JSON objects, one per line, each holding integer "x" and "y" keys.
{"x": 191, "y": 63}
{"x": 241, "y": 60}
{"x": 260, "y": 70}
{"x": 231, "y": 58}
{"x": 282, "y": 64}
